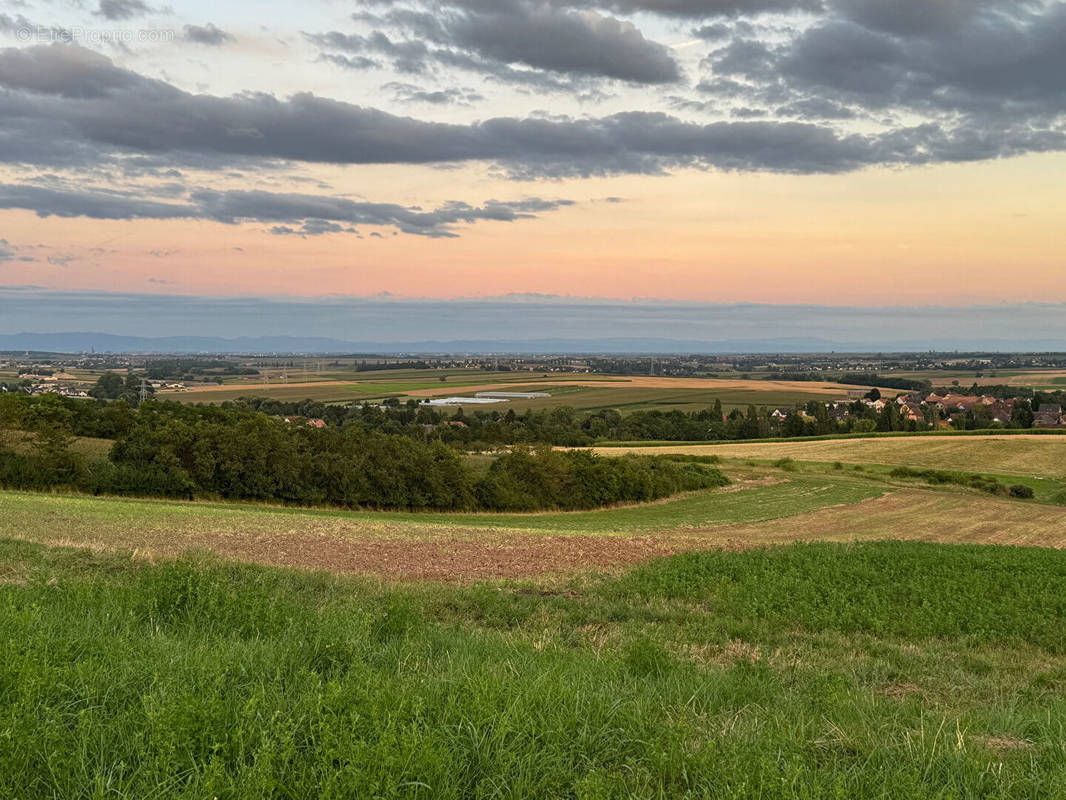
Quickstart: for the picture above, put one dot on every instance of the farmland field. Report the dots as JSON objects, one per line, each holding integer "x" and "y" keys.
{"x": 587, "y": 392}
{"x": 1019, "y": 455}
{"x": 765, "y": 503}
{"x": 966, "y": 378}
{"x": 806, "y": 631}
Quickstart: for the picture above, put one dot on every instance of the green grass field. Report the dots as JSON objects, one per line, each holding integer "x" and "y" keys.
{"x": 765, "y": 502}
{"x": 880, "y": 670}
{"x": 809, "y": 631}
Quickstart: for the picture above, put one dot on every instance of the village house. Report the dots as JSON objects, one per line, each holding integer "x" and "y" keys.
{"x": 912, "y": 412}
{"x": 1048, "y": 416}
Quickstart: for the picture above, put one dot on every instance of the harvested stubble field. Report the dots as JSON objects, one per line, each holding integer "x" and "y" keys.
{"x": 763, "y": 506}
{"x": 1015, "y": 455}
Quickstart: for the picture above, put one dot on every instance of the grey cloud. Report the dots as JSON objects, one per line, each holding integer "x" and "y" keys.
{"x": 701, "y": 9}
{"x": 69, "y": 106}
{"x": 349, "y": 62}
{"x": 578, "y": 43}
{"x": 406, "y": 56}
{"x": 1000, "y": 65}
{"x": 122, "y": 9}
{"x": 73, "y": 72}
{"x": 316, "y": 214}
{"x": 914, "y": 17}
{"x": 489, "y": 37}
{"x": 410, "y": 93}
{"x": 233, "y": 206}
{"x": 685, "y": 9}
{"x": 645, "y": 325}
{"x": 815, "y": 108}
{"x": 208, "y": 34}
{"x": 98, "y": 204}
{"x": 9, "y": 24}
{"x": 847, "y": 57}
{"x": 117, "y": 111}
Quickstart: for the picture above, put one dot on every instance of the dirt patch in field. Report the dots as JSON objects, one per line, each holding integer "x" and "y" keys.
{"x": 453, "y": 558}
{"x": 1003, "y": 742}
{"x": 741, "y": 485}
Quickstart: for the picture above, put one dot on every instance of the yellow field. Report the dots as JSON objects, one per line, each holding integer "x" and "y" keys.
{"x": 915, "y": 515}
{"x": 1011, "y": 455}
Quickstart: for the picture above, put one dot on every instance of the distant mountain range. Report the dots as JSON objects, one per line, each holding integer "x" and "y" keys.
{"x": 81, "y": 342}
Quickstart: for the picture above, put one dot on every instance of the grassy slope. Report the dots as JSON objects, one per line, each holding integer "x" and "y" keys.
{"x": 869, "y": 671}
{"x": 24, "y": 510}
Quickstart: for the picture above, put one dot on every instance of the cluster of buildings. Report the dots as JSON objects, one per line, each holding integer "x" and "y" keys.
{"x": 1049, "y": 416}
{"x": 942, "y": 409}
{"x": 35, "y": 383}
{"x": 951, "y": 407}
{"x": 55, "y": 388}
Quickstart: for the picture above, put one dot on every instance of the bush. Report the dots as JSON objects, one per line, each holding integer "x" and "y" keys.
{"x": 1021, "y": 491}
{"x": 528, "y": 479}
{"x": 937, "y": 477}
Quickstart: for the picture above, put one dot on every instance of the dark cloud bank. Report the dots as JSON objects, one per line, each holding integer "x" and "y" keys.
{"x": 512, "y": 324}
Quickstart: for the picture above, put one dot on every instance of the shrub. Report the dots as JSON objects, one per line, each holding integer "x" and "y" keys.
{"x": 937, "y": 477}
{"x": 1021, "y": 491}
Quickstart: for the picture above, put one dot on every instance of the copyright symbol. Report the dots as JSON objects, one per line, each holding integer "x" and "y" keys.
{"x": 24, "y": 34}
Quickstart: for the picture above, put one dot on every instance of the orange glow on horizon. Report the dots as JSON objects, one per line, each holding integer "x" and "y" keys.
{"x": 947, "y": 234}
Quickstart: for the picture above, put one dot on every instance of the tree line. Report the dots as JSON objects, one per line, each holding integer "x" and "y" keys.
{"x": 169, "y": 450}
{"x": 491, "y": 429}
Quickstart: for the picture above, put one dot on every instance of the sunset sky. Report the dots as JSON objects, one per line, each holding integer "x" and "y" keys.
{"x": 845, "y": 152}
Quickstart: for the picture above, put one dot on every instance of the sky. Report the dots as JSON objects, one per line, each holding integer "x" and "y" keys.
{"x": 847, "y": 153}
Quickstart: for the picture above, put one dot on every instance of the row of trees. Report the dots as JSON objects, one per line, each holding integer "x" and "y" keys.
{"x": 242, "y": 455}
{"x": 488, "y": 429}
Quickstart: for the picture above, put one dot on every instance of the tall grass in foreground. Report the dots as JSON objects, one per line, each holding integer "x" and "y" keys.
{"x": 866, "y": 671}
